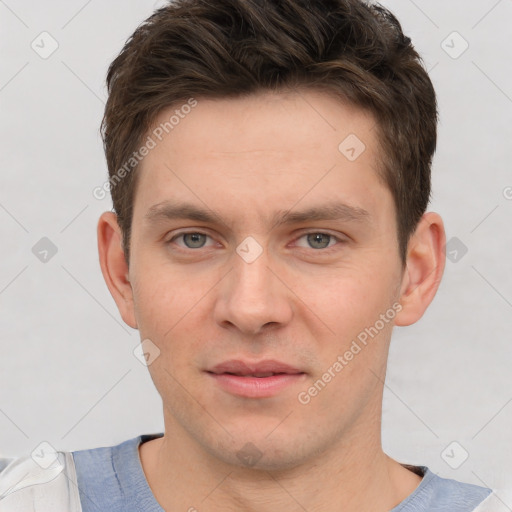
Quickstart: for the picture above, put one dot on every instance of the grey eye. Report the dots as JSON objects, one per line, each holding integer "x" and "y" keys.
{"x": 319, "y": 240}
{"x": 194, "y": 240}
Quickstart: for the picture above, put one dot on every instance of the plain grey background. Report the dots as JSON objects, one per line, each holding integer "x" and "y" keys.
{"x": 68, "y": 374}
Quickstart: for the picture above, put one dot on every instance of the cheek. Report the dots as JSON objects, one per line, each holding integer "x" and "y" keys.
{"x": 171, "y": 302}
{"x": 160, "y": 300}
{"x": 354, "y": 356}
{"x": 348, "y": 299}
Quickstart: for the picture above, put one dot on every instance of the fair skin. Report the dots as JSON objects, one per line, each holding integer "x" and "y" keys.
{"x": 302, "y": 301}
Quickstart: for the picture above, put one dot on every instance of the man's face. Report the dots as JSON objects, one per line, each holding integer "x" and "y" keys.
{"x": 299, "y": 291}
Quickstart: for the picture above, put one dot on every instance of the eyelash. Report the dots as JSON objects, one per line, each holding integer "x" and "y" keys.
{"x": 325, "y": 250}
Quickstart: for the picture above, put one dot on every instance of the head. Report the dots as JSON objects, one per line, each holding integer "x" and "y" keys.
{"x": 270, "y": 171}
{"x": 348, "y": 48}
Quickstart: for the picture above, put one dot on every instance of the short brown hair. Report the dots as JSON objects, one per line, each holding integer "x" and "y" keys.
{"x": 229, "y": 48}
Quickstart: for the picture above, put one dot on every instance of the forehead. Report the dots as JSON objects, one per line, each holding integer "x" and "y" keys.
{"x": 285, "y": 120}
{"x": 269, "y": 148}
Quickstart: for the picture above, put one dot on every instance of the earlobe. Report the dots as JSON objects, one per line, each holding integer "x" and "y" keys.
{"x": 114, "y": 267}
{"x": 424, "y": 269}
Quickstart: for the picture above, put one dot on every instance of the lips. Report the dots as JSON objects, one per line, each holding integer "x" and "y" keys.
{"x": 255, "y": 380}
{"x": 260, "y": 369}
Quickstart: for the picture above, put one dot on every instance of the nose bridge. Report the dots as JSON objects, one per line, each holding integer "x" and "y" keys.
{"x": 251, "y": 280}
{"x": 251, "y": 295}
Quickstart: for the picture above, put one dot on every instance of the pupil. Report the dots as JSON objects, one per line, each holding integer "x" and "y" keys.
{"x": 195, "y": 240}
{"x": 319, "y": 238}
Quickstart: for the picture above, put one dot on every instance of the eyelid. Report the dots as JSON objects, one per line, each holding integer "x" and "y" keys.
{"x": 340, "y": 239}
{"x": 189, "y": 232}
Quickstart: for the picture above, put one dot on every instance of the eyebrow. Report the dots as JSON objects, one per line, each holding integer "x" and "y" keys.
{"x": 169, "y": 210}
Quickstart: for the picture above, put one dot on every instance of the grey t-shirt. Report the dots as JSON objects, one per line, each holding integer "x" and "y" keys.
{"x": 112, "y": 479}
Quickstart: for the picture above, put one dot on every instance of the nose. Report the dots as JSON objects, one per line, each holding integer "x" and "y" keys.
{"x": 253, "y": 297}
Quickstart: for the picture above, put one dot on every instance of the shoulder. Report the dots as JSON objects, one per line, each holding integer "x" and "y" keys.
{"x": 4, "y": 463}
{"x": 104, "y": 478}
{"x": 44, "y": 484}
{"x": 112, "y": 476}
{"x": 438, "y": 494}
{"x": 500, "y": 499}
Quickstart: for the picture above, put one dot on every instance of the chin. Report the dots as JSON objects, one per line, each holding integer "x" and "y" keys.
{"x": 260, "y": 453}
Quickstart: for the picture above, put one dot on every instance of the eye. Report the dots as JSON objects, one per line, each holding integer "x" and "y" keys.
{"x": 315, "y": 240}
{"x": 319, "y": 240}
{"x": 192, "y": 240}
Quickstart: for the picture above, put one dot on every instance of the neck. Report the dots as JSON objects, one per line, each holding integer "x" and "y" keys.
{"x": 355, "y": 473}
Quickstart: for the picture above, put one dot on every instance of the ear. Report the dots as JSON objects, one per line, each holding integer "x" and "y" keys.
{"x": 424, "y": 269}
{"x": 114, "y": 267}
